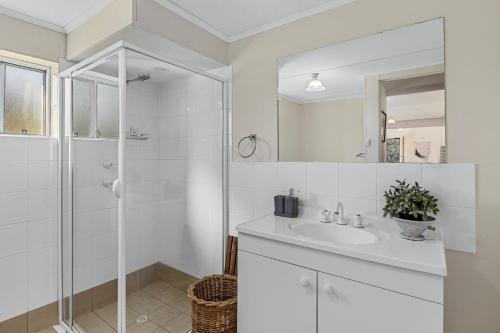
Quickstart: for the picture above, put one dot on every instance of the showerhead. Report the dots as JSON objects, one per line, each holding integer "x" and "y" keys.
{"x": 141, "y": 77}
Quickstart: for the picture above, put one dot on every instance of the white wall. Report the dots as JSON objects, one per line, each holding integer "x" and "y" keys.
{"x": 325, "y": 131}
{"x": 360, "y": 187}
{"x": 333, "y": 131}
{"x": 290, "y": 130}
{"x": 28, "y": 224}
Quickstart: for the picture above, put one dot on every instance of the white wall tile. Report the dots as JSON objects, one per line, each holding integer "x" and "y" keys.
{"x": 12, "y": 239}
{"x": 41, "y": 233}
{"x": 14, "y": 301}
{"x": 42, "y": 204}
{"x": 42, "y": 175}
{"x": 454, "y": 184}
{"x": 291, "y": 175}
{"x": 42, "y": 291}
{"x": 13, "y": 176}
{"x": 264, "y": 176}
{"x": 42, "y": 149}
{"x": 319, "y": 202}
{"x": 360, "y": 189}
{"x": 42, "y": 262}
{"x": 13, "y": 207}
{"x": 242, "y": 175}
{"x": 13, "y": 149}
{"x": 263, "y": 200}
{"x": 322, "y": 178}
{"x": 14, "y": 270}
{"x": 388, "y": 173}
{"x": 359, "y": 206}
{"x": 358, "y": 180}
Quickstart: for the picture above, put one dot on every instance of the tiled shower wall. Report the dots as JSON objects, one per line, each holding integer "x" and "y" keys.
{"x": 360, "y": 187}
{"x": 191, "y": 175}
{"x": 28, "y": 224}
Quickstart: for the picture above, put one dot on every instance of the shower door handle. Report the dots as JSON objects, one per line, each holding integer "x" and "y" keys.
{"x": 117, "y": 188}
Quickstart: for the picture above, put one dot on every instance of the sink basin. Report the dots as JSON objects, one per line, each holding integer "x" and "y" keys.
{"x": 333, "y": 233}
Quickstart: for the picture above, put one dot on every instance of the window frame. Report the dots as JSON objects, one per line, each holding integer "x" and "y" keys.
{"x": 47, "y": 93}
{"x": 95, "y": 79}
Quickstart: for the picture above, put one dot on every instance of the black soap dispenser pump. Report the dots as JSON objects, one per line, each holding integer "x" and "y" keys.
{"x": 291, "y": 204}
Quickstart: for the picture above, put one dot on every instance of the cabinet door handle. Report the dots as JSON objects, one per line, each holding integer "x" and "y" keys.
{"x": 328, "y": 289}
{"x": 305, "y": 282}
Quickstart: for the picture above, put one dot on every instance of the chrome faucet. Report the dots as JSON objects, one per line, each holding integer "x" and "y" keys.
{"x": 340, "y": 214}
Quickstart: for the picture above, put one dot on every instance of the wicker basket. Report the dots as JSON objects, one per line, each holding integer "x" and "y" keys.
{"x": 214, "y": 304}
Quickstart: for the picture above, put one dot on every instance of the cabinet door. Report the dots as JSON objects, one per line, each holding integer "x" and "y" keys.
{"x": 345, "y": 306}
{"x": 275, "y": 297}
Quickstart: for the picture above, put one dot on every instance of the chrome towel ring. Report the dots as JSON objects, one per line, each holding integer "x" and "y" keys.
{"x": 253, "y": 139}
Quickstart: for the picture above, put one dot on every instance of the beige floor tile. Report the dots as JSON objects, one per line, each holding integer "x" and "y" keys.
{"x": 164, "y": 314}
{"x": 161, "y": 330}
{"x": 155, "y": 287}
{"x": 179, "y": 324}
{"x": 109, "y": 314}
{"x": 182, "y": 303}
{"x": 184, "y": 284}
{"x": 170, "y": 294}
{"x": 91, "y": 323}
{"x": 146, "y": 327}
{"x": 143, "y": 302}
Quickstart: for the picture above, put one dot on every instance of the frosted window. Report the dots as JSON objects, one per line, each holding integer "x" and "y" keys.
{"x": 107, "y": 110}
{"x": 24, "y": 108}
{"x": 82, "y": 108}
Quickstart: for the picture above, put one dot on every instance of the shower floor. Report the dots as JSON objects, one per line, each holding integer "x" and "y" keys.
{"x": 159, "y": 307}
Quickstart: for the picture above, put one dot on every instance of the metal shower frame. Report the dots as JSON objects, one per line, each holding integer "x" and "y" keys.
{"x": 119, "y": 50}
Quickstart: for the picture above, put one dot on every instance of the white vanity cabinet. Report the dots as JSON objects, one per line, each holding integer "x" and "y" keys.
{"x": 291, "y": 284}
{"x": 347, "y": 306}
{"x": 274, "y": 296}
{"x": 279, "y": 297}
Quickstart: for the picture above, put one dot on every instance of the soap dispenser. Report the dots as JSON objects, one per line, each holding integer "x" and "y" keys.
{"x": 291, "y": 204}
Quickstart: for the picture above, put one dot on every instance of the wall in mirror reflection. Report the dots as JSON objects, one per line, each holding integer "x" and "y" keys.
{"x": 379, "y": 98}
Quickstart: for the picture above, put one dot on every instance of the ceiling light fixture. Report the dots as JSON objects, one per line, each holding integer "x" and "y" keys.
{"x": 391, "y": 121}
{"x": 315, "y": 85}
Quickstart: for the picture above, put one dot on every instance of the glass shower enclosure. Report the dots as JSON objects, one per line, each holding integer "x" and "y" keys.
{"x": 143, "y": 199}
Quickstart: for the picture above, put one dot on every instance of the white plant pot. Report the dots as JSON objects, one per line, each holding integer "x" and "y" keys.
{"x": 414, "y": 230}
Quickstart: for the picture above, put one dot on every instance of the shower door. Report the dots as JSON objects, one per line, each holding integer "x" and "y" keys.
{"x": 92, "y": 140}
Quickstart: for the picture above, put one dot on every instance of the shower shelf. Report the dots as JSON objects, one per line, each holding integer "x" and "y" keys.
{"x": 134, "y": 134}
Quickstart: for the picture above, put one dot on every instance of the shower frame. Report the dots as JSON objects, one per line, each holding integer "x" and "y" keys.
{"x": 119, "y": 50}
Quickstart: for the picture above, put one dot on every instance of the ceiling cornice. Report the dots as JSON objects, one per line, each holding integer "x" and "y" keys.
{"x": 262, "y": 28}
{"x": 54, "y": 27}
{"x": 91, "y": 12}
{"x": 30, "y": 19}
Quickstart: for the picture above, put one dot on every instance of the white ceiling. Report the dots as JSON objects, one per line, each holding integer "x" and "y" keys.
{"x": 343, "y": 66}
{"x": 229, "y": 20}
{"x": 235, "y": 19}
{"x": 425, "y": 105}
{"x": 59, "y": 15}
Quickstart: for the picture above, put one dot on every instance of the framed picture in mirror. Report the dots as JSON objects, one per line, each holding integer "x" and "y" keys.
{"x": 383, "y": 126}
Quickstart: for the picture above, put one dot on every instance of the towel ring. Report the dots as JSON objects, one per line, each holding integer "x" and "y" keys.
{"x": 251, "y": 137}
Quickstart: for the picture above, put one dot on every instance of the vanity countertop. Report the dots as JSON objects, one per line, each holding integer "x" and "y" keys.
{"x": 426, "y": 256}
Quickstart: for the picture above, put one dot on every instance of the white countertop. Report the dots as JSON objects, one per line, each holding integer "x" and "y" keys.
{"x": 425, "y": 256}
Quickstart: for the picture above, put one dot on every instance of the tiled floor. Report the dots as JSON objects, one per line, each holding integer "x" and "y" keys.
{"x": 168, "y": 310}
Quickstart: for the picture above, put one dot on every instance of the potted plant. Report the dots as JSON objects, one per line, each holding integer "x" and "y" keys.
{"x": 411, "y": 206}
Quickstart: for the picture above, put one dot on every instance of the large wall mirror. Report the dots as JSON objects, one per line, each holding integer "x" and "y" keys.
{"x": 379, "y": 98}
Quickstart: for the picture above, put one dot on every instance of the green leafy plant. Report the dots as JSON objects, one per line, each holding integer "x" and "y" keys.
{"x": 410, "y": 202}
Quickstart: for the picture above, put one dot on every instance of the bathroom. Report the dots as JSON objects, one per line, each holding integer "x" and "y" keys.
{"x": 184, "y": 129}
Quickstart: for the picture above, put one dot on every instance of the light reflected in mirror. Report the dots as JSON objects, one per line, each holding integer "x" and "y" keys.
{"x": 379, "y": 98}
